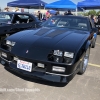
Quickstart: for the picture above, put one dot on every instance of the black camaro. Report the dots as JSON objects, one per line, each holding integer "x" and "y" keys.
{"x": 55, "y": 52}
{"x": 11, "y": 22}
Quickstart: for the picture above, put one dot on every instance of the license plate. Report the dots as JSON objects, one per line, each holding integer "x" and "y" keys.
{"x": 27, "y": 66}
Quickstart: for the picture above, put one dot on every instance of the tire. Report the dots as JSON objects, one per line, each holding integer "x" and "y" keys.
{"x": 84, "y": 63}
{"x": 93, "y": 43}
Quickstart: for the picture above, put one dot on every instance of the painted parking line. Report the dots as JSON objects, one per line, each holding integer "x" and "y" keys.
{"x": 95, "y": 65}
{"x": 98, "y": 43}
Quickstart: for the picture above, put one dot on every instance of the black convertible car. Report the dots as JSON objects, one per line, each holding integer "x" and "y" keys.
{"x": 55, "y": 52}
{"x": 11, "y": 22}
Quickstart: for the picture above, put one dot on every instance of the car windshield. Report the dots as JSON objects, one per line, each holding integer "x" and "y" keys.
{"x": 67, "y": 22}
{"x": 5, "y": 18}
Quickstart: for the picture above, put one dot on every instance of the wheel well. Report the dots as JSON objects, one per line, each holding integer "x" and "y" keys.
{"x": 83, "y": 48}
{"x": 88, "y": 44}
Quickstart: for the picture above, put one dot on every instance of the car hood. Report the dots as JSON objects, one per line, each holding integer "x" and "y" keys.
{"x": 42, "y": 41}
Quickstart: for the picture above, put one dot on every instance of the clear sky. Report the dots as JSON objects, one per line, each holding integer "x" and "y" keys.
{"x": 4, "y": 2}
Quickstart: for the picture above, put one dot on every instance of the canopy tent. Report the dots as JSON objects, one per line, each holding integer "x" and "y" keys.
{"x": 89, "y": 4}
{"x": 27, "y": 4}
{"x": 61, "y": 5}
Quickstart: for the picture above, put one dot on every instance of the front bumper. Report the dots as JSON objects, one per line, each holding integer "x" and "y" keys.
{"x": 43, "y": 73}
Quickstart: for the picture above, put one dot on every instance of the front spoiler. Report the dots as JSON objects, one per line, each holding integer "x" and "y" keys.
{"x": 42, "y": 75}
{"x": 49, "y": 76}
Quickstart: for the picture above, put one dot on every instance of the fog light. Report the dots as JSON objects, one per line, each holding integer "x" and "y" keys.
{"x": 40, "y": 65}
{"x": 4, "y": 54}
{"x": 58, "y": 69}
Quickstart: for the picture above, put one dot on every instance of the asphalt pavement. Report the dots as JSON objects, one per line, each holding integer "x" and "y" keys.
{"x": 81, "y": 87}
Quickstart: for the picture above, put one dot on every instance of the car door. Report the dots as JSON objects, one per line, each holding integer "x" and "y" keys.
{"x": 23, "y": 21}
{"x": 16, "y": 25}
{"x": 5, "y": 23}
{"x": 20, "y": 22}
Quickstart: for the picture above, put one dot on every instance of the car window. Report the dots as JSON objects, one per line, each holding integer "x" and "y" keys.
{"x": 23, "y": 16}
{"x": 52, "y": 22}
{"x": 22, "y": 19}
{"x": 67, "y": 22}
{"x": 5, "y": 18}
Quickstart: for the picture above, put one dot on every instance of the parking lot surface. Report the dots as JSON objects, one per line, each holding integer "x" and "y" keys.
{"x": 85, "y": 87}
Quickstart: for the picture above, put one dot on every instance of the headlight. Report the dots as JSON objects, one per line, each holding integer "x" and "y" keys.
{"x": 69, "y": 54}
{"x": 10, "y": 43}
{"x": 58, "y": 53}
{"x": 13, "y": 43}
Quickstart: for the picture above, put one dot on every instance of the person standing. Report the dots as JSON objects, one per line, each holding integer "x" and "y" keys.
{"x": 22, "y": 10}
{"x": 0, "y": 9}
{"x": 47, "y": 15}
{"x": 39, "y": 15}
{"x": 65, "y": 13}
{"x": 92, "y": 18}
{"x": 97, "y": 24}
{"x": 44, "y": 17}
{"x": 17, "y": 10}
{"x": 69, "y": 13}
{"x": 57, "y": 13}
{"x": 6, "y": 9}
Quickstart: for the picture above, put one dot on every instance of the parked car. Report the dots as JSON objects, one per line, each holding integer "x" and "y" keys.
{"x": 11, "y": 22}
{"x": 97, "y": 24}
{"x": 55, "y": 52}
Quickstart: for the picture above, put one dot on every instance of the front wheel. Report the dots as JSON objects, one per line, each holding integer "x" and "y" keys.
{"x": 84, "y": 63}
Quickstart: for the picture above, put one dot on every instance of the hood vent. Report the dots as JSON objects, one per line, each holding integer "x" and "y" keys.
{"x": 42, "y": 31}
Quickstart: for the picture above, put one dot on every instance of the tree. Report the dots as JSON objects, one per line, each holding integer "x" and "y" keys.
{"x": 92, "y": 12}
{"x": 98, "y": 13}
{"x": 85, "y": 14}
